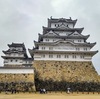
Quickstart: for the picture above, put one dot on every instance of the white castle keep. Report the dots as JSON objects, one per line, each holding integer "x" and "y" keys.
{"x": 61, "y": 41}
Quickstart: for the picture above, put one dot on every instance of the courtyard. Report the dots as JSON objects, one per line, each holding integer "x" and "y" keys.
{"x": 51, "y": 95}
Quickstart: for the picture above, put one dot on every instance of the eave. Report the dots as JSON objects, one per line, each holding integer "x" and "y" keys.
{"x": 10, "y": 57}
{"x": 46, "y": 29}
{"x": 17, "y": 45}
{"x": 64, "y": 37}
{"x": 63, "y": 52}
{"x": 57, "y": 42}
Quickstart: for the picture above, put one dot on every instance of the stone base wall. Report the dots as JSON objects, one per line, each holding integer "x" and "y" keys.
{"x": 70, "y": 71}
{"x": 22, "y": 82}
{"x": 16, "y": 78}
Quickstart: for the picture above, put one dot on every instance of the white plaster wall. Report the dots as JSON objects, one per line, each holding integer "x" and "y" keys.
{"x": 13, "y": 62}
{"x": 18, "y": 62}
{"x": 16, "y": 55}
{"x": 62, "y": 58}
{"x": 17, "y": 48}
{"x": 53, "y": 25}
{"x": 17, "y": 71}
{"x": 50, "y": 39}
{"x": 77, "y": 40}
{"x": 64, "y": 47}
{"x": 70, "y": 25}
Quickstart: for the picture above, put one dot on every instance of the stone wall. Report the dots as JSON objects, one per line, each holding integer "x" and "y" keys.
{"x": 22, "y": 82}
{"x": 16, "y": 78}
{"x": 70, "y": 71}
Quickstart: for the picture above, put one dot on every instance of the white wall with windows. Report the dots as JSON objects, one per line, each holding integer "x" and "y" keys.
{"x": 16, "y": 62}
{"x": 55, "y": 25}
{"x": 78, "y": 40}
{"x": 16, "y": 48}
{"x": 51, "y": 39}
{"x": 63, "y": 57}
{"x": 16, "y": 55}
{"x": 13, "y": 61}
{"x": 63, "y": 47}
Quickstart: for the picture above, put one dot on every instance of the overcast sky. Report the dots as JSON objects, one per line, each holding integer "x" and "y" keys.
{"x": 22, "y": 20}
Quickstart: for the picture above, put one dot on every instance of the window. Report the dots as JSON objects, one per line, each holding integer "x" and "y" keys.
{"x": 5, "y": 61}
{"x": 58, "y": 56}
{"x": 79, "y": 40}
{"x": 77, "y": 49}
{"x": 11, "y": 60}
{"x": 67, "y": 25}
{"x": 85, "y": 49}
{"x": 43, "y": 56}
{"x": 43, "y": 48}
{"x": 47, "y": 39}
{"x": 81, "y": 56}
{"x": 50, "y": 48}
{"x": 50, "y": 56}
{"x": 66, "y": 56}
{"x": 74, "y": 56}
{"x": 53, "y": 39}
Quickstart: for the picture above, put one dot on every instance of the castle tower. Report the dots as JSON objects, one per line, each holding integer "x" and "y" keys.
{"x": 63, "y": 53}
{"x": 16, "y": 56}
{"x": 17, "y": 68}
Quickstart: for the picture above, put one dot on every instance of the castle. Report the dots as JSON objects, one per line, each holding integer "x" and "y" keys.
{"x": 61, "y": 53}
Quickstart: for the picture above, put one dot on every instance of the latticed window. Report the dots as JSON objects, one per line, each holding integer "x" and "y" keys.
{"x": 74, "y": 56}
{"x": 11, "y": 60}
{"x": 47, "y": 39}
{"x": 66, "y": 56}
{"x": 79, "y": 40}
{"x": 43, "y": 55}
{"x": 85, "y": 49}
{"x": 43, "y": 48}
{"x": 77, "y": 49}
{"x": 50, "y": 48}
{"x": 16, "y": 60}
{"x": 50, "y": 56}
{"x": 81, "y": 56}
{"x": 58, "y": 56}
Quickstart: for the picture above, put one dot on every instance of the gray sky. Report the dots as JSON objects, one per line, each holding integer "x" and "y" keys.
{"x": 22, "y": 20}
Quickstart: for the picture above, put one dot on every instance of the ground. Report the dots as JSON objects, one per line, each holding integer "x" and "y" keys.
{"x": 50, "y": 96}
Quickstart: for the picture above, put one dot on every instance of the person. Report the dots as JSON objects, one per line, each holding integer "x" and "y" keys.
{"x": 6, "y": 88}
{"x": 44, "y": 90}
{"x": 68, "y": 90}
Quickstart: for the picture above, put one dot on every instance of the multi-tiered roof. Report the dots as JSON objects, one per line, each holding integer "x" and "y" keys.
{"x": 16, "y": 55}
{"x": 64, "y": 30}
{"x": 14, "y": 48}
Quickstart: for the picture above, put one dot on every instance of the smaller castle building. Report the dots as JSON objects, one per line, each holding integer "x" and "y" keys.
{"x": 17, "y": 68}
{"x": 17, "y": 56}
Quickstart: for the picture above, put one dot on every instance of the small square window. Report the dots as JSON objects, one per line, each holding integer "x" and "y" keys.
{"x": 58, "y": 56}
{"x": 43, "y": 56}
{"x": 11, "y": 60}
{"x": 66, "y": 56}
{"x": 51, "y": 56}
